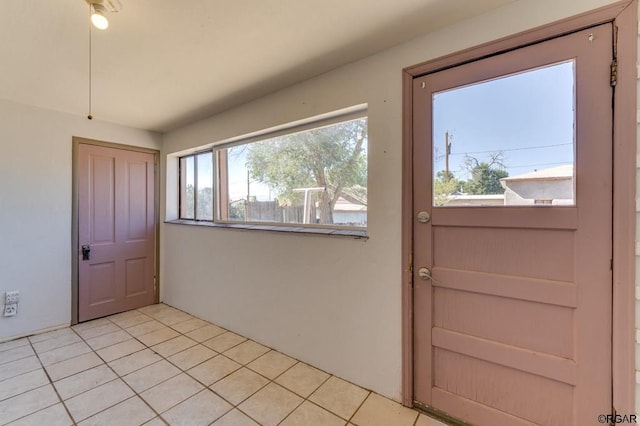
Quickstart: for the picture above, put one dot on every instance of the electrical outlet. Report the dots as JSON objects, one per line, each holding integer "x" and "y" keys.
{"x": 11, "y": 297}
{"x": 10, "y": 309}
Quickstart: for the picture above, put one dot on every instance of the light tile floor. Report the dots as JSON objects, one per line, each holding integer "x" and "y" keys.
{"x": 158, "y": 365}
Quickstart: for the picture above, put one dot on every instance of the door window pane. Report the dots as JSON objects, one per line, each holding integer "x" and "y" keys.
{"x": 507, "y": 141}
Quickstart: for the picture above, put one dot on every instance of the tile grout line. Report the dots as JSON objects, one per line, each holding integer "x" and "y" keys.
{"x": 153, "y": 316}
{"x": 18, "y": 359}
{"x": 234, "y": 406}
{"x": 104, "y": 362}
{"x": 307, "y": 397}
{"x": 14, "y": 347}
{"x": 208, "y": 387}
{"x": 359, "y": 407}
{"x": 274, "y": 382}
{"x": 163, "y": 358}
{"x": 269, "y": 381}
{"x": 135, "y": 393}
{"x": 73, "y": 421}
{"x": 118, "y": 377}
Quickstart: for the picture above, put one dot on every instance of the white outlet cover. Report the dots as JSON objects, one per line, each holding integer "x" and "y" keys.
{"x": 10, "y": 309}
{"x": 12, "y": 297}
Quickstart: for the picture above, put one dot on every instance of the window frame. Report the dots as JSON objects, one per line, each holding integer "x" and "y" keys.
{"x": 220, "y": 175}
{"x": 182, "y": 176}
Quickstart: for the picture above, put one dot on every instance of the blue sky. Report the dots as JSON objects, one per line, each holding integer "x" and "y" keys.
{"x": 528, "y": 116}
{"x": 238, "y": 177}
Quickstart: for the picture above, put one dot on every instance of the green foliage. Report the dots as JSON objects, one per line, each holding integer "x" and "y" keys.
{"x": 188, "y": 203}
{"x": 485, "y": 176}
{"x": 485, "y": 180}
{"x": 237, "y": 211}
{"x": 332, "y": 157}
{"x": 445, "y": 186}
{"x": 205, "y": 203}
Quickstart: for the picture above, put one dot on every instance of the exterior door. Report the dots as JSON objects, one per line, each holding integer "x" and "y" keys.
{"x": 116, "y": 235}
{"x": 512, "y": 264}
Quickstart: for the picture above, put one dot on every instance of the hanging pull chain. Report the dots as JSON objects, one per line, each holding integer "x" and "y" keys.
{"x": 90, "y": 117}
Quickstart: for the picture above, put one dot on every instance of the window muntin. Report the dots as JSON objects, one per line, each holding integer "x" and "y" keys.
{"x": 310, "y": 177}
{"x": 508, "y": 141}
{"x": 196, "y": 186}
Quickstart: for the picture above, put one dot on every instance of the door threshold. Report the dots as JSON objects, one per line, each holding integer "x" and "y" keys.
{"x": 438, "y": 415}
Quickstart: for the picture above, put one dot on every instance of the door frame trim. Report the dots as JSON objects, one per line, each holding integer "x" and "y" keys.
{"x": 624, "y": 15}
{"x": 76, "y": 141}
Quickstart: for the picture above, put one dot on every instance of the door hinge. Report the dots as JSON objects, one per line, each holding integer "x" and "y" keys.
{"x": 155, "y": 285}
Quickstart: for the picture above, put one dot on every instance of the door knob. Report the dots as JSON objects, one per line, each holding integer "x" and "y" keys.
{"x": 424, "y": 217}
{"x": 86, "y": 249}
{"x": 424, "y": 273}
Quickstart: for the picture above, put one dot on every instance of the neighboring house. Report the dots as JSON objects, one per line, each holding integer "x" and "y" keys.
{"x": 456, "y": 200}
{"x": 349, "y": 213}
{"x": 553, "y": 186}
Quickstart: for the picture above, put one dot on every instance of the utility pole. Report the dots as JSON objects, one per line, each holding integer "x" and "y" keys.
{"x": 447, "y": 152}
{"x": 248, "y": 186}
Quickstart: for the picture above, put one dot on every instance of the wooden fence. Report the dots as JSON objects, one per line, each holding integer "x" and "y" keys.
{"x": 271, "y": 211}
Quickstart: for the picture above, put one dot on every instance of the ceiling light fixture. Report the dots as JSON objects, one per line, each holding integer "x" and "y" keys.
{"x": 98, "y": 19}
{"x": 99, "y": 8}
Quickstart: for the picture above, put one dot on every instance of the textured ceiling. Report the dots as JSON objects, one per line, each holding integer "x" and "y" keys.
{"x": 164, "y": 63}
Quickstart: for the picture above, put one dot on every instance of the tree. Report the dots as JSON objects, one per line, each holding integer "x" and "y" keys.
{"x": 331, "y": 157}
{"x": 189, "y": 202}
{"x": 444, "y": 186}
{"x": 485, "y": 175}
{"x": 237, "y": 210}
{"x": 204, "y": 202}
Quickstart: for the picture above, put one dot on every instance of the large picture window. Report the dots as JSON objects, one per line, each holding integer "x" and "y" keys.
{"x": 312, "y": 175}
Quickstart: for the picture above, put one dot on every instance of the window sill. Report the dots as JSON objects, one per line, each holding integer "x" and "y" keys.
{"x": 349, "y": 233}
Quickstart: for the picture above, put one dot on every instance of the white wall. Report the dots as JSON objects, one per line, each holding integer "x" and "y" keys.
{"x": 35, "y": 209}
{"x": 331, "y": 302}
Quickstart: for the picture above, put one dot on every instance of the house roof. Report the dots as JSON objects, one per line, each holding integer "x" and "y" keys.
{"x": 347, "y": 206}
{"x": 476, "y": 197}
{"x": 553, "y": 173}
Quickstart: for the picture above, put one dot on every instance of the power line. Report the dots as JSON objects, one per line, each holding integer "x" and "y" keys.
{"x": 512, "y": 149}
{"x": 536, "y": 165}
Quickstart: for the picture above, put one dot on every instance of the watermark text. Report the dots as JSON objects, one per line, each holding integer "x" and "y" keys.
{"x": 615, "y": 419}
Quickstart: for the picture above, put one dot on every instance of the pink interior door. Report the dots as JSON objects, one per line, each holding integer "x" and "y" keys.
{"x": 116, "y": 220}
{"x": 512, "y": 295}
